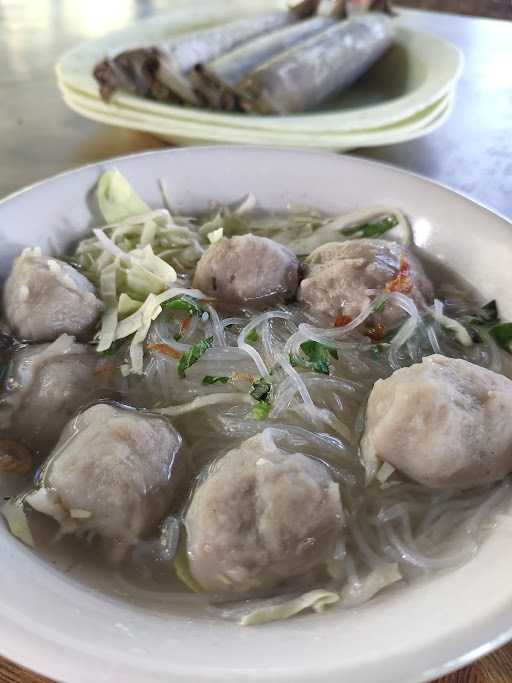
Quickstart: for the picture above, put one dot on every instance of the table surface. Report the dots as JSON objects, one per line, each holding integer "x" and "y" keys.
{"x": 39, "y": 136}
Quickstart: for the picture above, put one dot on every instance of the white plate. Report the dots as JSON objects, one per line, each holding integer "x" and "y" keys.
{"x": 417, "y": 72}
{"x": 70, "y": 627}
{"x": 184, "y": 132}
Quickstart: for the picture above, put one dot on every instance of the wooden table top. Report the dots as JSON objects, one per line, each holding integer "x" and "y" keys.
{"x": 39, "y": 136}
{"x": 495, "y": 668}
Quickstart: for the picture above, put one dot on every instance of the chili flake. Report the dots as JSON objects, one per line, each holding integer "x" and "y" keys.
{"x": 375, "y": 332}
{"x": 167, "y": 350}
{"x": 342, "y": 320}
{"x": 402, "y": 282}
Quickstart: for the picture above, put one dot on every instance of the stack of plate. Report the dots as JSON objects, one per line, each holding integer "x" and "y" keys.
{"x": 407, "y": 94}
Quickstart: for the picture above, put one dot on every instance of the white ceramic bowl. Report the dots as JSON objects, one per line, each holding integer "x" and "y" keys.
{"x": 72, "y": 627}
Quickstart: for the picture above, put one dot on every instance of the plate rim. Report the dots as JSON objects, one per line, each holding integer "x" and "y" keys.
{"x": 339, "y": 142}
{"x": 86, "y": 101}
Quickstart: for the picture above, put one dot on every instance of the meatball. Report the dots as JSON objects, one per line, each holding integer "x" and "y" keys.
{"x": 45, "y": 297}
{"x": 262, "y": 515}
{"x": 247, "y": 271}
{"x": 443, "y": 422}
{"x": 46, "y": 385}
{"x": 115, "y": 472}
{"x": 338, "y": 276}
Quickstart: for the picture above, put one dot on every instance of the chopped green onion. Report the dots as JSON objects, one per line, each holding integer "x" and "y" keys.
{"x": 318, "y": 356}
{"x": 251, "y": 337}
{"x": 260, "y": 390}
{"x": 185, "y": 303}
{"x": 193, "y": 355}
{"x": 380, "y": 307}
{"x": 502, "y": 333}
{"x": 210, "y": 379}
{"x": 486, "y": 315}
{"x": 373, "y": 229}
{"x": 377, "y": 349}
{"x": 261, "y": 410}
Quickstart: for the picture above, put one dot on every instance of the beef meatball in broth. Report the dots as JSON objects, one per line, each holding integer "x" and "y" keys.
{"x": 45, "y": 297}
{"x": 338, "y": 276}
{"x": 247, "y": 271}
{"x": 115, "y": 472}
{"x": 443, "y": 422}
{"x": 262, "y": 515}
{"x": 46, "y": 385}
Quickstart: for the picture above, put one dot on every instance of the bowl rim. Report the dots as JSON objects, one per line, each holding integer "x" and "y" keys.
{"x": 259, "y": 148}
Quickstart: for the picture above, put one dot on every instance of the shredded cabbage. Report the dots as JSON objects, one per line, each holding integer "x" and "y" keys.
{"x": 459, "y": 331}
{"x": 131, "y": 261}
{"x": 203, "y": 402}
{"x": 358, "y": 592}
{"x": 370, "y": 463}
{"x": 117, "y": 199}
{"x": 134, "y": 256}
{"x": 145, "y": 262}
{"x": 108, "y": 292}
{"x": 316, "y": 600}
{"x": 215, "y": 235}
{"x": 247, "y": 205}
{"x": 16, "y": 519}
{"x": 127, "y": 305}
{"x": 385, "y": 471}
{"x": 331, "y": 229}
{"x": 181, "y": 566}
{"x": 137, "y": 343}
{"x": 150, "y": 309}
{"x": 213, "y": 225}
{"x": 28, "y": 252}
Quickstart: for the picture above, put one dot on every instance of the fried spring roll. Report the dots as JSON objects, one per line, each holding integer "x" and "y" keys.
{"x": 217, "y": 80}
{"x": 309, "y": 73}
{"x": 161, "y": 72}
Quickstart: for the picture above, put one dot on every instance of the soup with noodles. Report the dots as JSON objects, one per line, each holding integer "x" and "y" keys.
{"x": 279, "y": 412}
